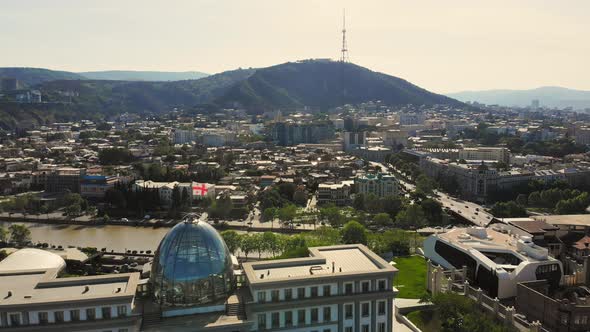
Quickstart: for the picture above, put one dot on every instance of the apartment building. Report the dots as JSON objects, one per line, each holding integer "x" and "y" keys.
{"x": 379, "y": 184}
{"x": 335, "y": 193}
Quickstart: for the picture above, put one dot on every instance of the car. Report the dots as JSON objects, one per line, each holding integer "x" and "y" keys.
{"x": 124, "y": 220}
{"x": 476, "y": 209}
{"x": 147, "y": 216}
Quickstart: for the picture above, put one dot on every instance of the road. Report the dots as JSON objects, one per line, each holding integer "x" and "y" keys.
{"x": 468, "y": 211}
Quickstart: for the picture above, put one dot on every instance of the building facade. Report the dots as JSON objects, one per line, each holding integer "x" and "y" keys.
{"x": 379, "y": 184}
{"x": 337, "y": 289}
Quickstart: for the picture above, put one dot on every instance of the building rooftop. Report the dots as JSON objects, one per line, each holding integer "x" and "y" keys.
{"x": 566, "y": 220}
{"x": 323, "y": 261}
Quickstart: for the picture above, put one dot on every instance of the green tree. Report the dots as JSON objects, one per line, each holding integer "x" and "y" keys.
{"x": 331, "y": 214}
{"x": 232, "y": 240}
{"x": 269, "y": 214}
{"x": 287, "y": 213}
{"x": 354, "y": 232}
{"x": 521, "y": 200}
{"x": 3, "y": 234}
{"x": 359, "y": 202}
{"x": 508, "y": 210}
{"x": 300, "y": 196}
{"x": 19, "y": 234}
{"x": 432, "y": 211}
{"x": 535, "y": 199}
{"x": 411, "y": 217}
{"x": 248, "y": 243}
{"x": 383, "y": 219}
{"x": 425, "y": 185}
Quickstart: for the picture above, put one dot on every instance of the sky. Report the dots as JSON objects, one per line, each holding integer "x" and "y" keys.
{"x": 441, "y": 45}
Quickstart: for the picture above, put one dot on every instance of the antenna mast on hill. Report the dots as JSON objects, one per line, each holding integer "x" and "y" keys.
{"x": 344, "y": 56}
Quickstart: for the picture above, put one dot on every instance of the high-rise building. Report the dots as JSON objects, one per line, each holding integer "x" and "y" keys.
{"x": 379, "y": 184}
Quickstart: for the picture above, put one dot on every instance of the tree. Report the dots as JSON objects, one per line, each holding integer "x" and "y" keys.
{"x": 232, "y": 240}
{"x": 115, "y": 156}
{"x": 270, "y": 242}
{"x": 248, "y": 243}
{"x": 269, "y": 214}
{"x": 287, "y": 190}
{"x": 382, "y": 219}
{"x": 331, "y": 214}
{"x": 432, "y": 211}
{"x": 300, "y": 196}
{"x": 287, "y": 213}
{"x": 115, "y": 197}
{"x": 354, "y": 232}
{"x": 20, "y": 234}
{"x": 534, "y": 199}
{"x": 425, "y": 185}
{"x": 3, "y": 234}
{"x": 359, "y": 202}
{"x": 106, "y": 218}
{"x": 411, "y": 216}
{"x": 508, "y": 210}
{"x": 521, "y": 200}
{"x": 392, "y": 205}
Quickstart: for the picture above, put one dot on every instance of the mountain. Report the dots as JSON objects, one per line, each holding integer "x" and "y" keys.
{"x": 548, "y": 96}
{"x": 324, "y": 84}
{"x": 32, "y": 76}
{"x": 130, "y": 75}
{"x": 66, "y": 100}
{"x": 317, "y": 84}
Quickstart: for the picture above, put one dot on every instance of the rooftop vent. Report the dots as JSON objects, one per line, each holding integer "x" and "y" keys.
{"x": 9, "y": 294}
{"x": 86, "y": 289}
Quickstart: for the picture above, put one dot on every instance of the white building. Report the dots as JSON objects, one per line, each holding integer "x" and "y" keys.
{"x": 379, "y": 184}
{"x": 496, "y": 260}
{"x": 34, "y": 299}
{"x": 338, "y": 288}
{"x": 335, "y": 193}
{"x": 166, "y": 189}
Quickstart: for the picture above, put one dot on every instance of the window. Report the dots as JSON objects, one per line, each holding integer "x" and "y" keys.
{"x": 43, "y": 317}
{"x": 348, "y": 311}
{"x": 288, "y": 294}
{"x": 59, "y": 316}
{"x": 381, "y": 327}
{"x": 381, "y": 308}
{"x": 90, "y": 314}
{"x": 314, "y": 315}
{"x": 382, "y": 284}
{"x": 327, "y": 330}
{"x": 300, "y": 292}
{"x": 365, "y": 286}
{"x": 327, "y": 314}
{"x": 274, "y": 319}
{"x": 301, "y": 316}
{"x": 106, "y": 312}
{"x": 14, "y": 319}
{"x": 365, "y": 309}
{"x": 365, "y": 328}
{"x": 274, "y": 295}
{"x": 261, "y": 297}
{"x": 74, "y": 315}
{"x": 348, "y": 288}
{"x": 314, "y": 291}
{"x": 121, "y": 311}
{"x": 123, "y": 330}
{"x": 348, "y": 329}
{"x": 261, "y": 321}
{"x": 327, "y": 290}
{"x": 288, "y": 318}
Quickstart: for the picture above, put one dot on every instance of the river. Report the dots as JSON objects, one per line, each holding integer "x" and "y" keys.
{"x": 112, "y": 237}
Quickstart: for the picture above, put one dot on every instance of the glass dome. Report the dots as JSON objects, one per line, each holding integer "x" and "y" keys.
{"x": 192, "y": 266}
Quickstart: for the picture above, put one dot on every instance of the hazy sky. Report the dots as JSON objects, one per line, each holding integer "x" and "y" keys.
{"x": 441, "y": 45}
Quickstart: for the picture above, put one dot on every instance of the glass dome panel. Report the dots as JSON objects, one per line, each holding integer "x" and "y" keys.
{"x": 192, "y": 266}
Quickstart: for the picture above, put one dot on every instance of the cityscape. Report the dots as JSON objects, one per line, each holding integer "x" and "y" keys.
{"x": 307, "y": 195}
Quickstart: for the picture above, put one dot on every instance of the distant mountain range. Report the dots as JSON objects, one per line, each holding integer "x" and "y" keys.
{"x": 32, "y": 76}
{"x": 130, "y": 75}
{"x": 318, "y": 84}
{"x": 549, "y": 96}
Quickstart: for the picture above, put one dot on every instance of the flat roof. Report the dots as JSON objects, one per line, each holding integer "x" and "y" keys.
{"x": 40, "y": 286}
{"x": 567, "y": 219}
{"x": 327, "y": 261}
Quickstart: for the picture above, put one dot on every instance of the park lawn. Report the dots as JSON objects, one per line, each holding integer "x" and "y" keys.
{"x": 411, "y": 278}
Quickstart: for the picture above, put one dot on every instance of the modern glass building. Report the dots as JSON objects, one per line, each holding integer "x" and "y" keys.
{"x": 192, "y": 266}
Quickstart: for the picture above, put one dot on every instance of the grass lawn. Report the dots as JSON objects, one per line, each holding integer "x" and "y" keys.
{"x": 411, "y": 278}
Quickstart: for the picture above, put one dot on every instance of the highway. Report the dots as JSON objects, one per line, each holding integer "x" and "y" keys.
{"x": 468, "y": 211}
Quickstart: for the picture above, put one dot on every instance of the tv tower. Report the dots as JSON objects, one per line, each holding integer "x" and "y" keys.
{"x": 344, "y": 56}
